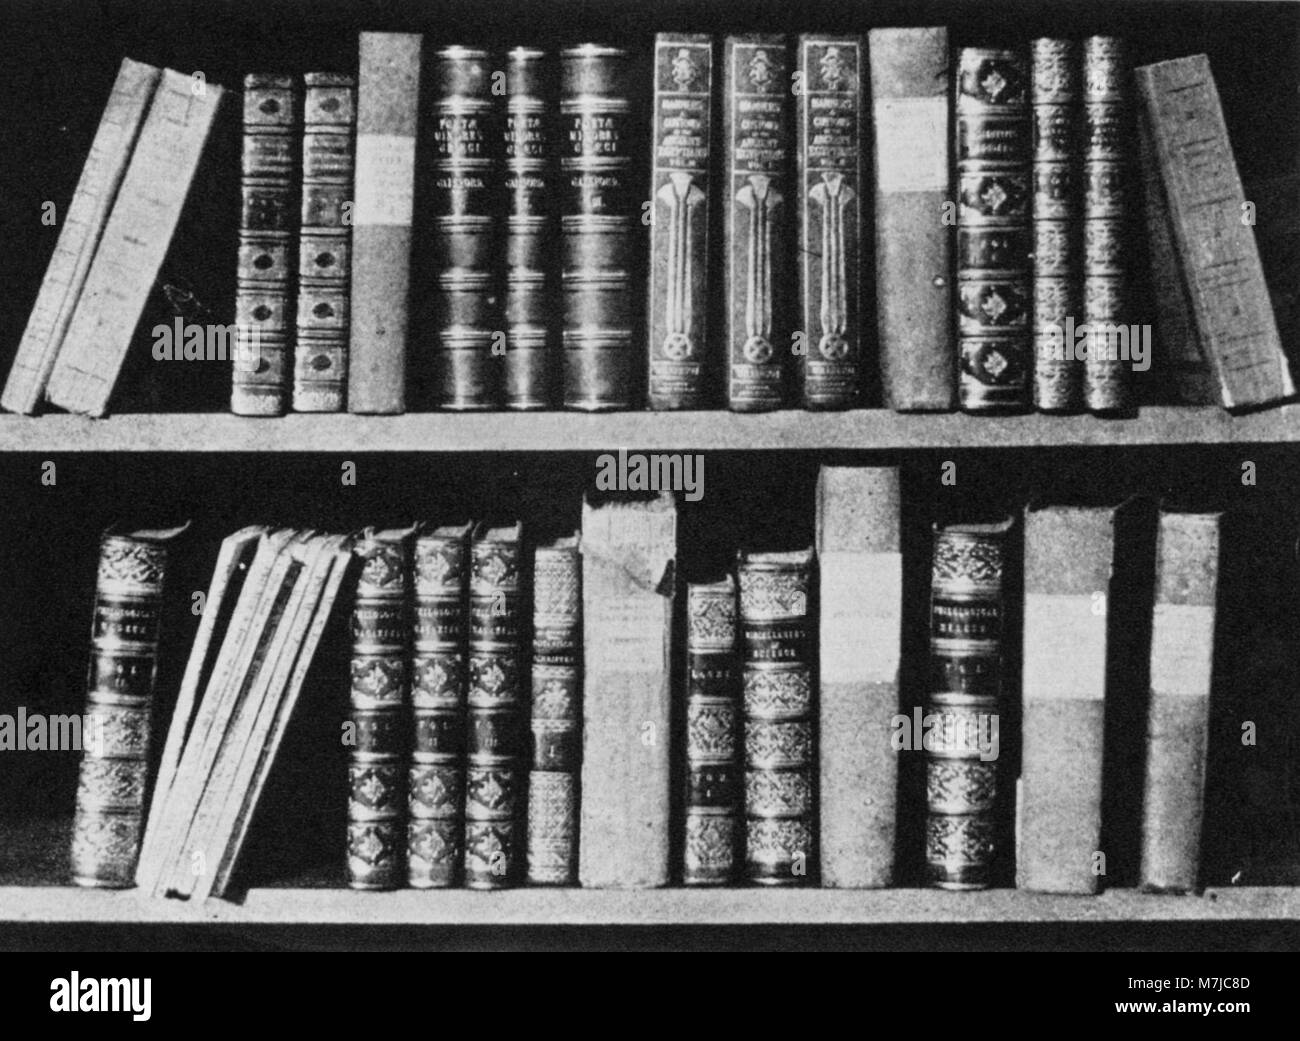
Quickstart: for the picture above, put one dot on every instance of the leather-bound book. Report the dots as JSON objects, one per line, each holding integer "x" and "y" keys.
{"x": 599, "y": 218}
{"x": 828, "y": 130}
{"x": 680, "y": 349}
{"x": 320, "y": 357}
{"x": 758, "y": 137}
{"x": 777, "y": 685}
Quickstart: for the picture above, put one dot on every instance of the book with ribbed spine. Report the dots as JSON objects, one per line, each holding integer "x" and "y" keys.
{"x": 320, "y": 356}
{"x": 828, "y": 135}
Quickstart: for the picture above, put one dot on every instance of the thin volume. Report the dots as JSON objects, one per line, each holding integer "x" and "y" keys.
{"x": 267, "y": 257}
{"x": 680, "y": 354}
{"x": 993, "y": 229}
{"x": 759, "y": 208}
{"x": 320, "y": 357}
{"x": 829, "y": 143}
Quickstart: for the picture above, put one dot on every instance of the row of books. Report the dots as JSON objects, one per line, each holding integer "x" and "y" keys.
{"x": 524, "y": 715}
{"x": 1005, "y": 205}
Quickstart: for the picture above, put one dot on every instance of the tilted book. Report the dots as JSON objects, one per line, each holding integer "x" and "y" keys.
{"x": 913, "y": 150}
{"x": 680, "y": 351}
{"x": 628, "y": 584}
{"x": 860, "y": 562}
{"x": 388, "y": 89}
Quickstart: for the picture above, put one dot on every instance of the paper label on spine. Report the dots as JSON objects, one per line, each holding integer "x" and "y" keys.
{"x": 385, "y": 179}
{"x": 1065, "y": 647}
{"x": 626, "y": 633}
{"x": 861, "y": 616}
{"x": 912, "y": 144}
{"x": 1182, "y": 649}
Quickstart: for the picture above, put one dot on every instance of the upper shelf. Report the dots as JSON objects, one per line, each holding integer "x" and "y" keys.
{"x": 696, "y": 431}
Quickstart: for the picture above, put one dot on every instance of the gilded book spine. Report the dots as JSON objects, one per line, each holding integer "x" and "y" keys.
{"x": 993, "y": 229}
{"x": 556, "y": 711}
{"x": 1108, "y": 138}
{"x": 381, "y": 638}
{"x": 1055, "y": 91}
{"x": 601, "y": 209}
{"x": 775, "y": 593}
{"x": 679, "y": 351}
{"x": 263, "y": 301}
{"x": 494, "y": 774}
{"x": 966, "y": 623}
{"x": 713, "y": 818}
{"x": 468, "y": 152}
{"x": 120, "y": 686}
{"x": 530, "y": 287}
{"x": 320, "y": 358}
{"x": 829, "y": 135}
{"x": 438, "y": 687}
{"x": 759, "y": 215}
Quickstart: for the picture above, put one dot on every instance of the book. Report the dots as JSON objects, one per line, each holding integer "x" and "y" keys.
{"x": 134, "y": 243}
{"x": 1055, "y": 93}
{"x": 495, "y": 771}
{"x": 1217, "y": 253}
{"x": 860, "y": 624}
{"x": 714, "y": 824}
{"x": 532, "y": 147}
{"x": 1182, "y": 660}
{"x": 601, "y": 206}
{"x": 117, "y": 725}
{"x": 913, "y": 152}
{"x": 466, "y": 150}
{"x": 778, "y": 696}
{"x": 1069, "y": 560}
{"x": 680, "y": 361}
{"x": 79, "y": 237}
{"x": 320, "y": 358}
{"x": 967, "y": 612}
{"x": 993, "y": 228}
{"x": 439, "y": 686}
{"x": 264, "y": 305}
{"x": 555, "y": 721}
{"x": 828, "y": 135}
{"x": 757, "y": 136}
{"x": 388, "y": 90}
{"x": 628, "y": 590}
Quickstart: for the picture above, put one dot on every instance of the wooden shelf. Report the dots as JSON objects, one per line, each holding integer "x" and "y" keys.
{"x": 567, "y": 431}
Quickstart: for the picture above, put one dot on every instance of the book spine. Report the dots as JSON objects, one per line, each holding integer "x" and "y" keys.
{"x": 320, "y": 359}
{"x": 860, "y": 605}
{"x": 1106, "y": 268}
{"x": 1069, "y": 556}
{"x": 531, "y": 363}
{"x": 713, "y": 820}
{"x": 1055, "y": 92}
{"x": 679, "y": 351}
{"x": 757, "y": 137}
{"x": 601, "y": 206}
{"x": 775, "y": 594}
{"x": 1182, "y": 659}
{"x": 388, "y": 87}
{"x": 993, "y": 229}
{"x": 381, "y": 638}
{"x": 1225, "y": 280}
{"x": 913, "y": 149}
{"x": 829, "y": 145}
{"x": 116, "y": 726}
{"x": 86, "y": 215}
{"x": 556, "y": 711}
{"x": 495, "y": 768}
{"x": 467, "y": 147}
{"x": 436, "y": 799}
{"x": 966, "y": 624}
{"x": 628, "y": 582}
{"x": 263, "y": 303}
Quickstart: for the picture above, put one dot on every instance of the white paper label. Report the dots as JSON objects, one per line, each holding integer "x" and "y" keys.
{"x": 1182, "y": 649}
{"x": 385, "y": 179}
{"x": 861, "y": 616}
{"x": 912, "y": 144}
{"x": 1065, "y": 647}
{"x": 626, "y": 633}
